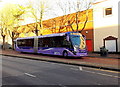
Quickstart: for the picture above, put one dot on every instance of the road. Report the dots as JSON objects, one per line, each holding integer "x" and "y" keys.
{"x": 20, "y": 71}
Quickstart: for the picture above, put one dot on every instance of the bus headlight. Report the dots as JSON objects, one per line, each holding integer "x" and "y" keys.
{"x": 76, "y": 48}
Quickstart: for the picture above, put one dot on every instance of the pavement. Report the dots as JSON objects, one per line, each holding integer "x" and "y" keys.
{"x": 110, "y": 55}
{"x": 94, "y": 60}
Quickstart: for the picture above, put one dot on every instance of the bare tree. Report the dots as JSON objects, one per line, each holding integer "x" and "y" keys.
{"x": 10, "y": 15}
{"x": 16, "y": 13}
{"x": 4, "y": 21}
{"x": 82, "y": 5}
{"x": 76, "y": 6}
{"x": 66, "y": 10}
{"x": 37, "y": 11}
{"x": 3, "y": 34}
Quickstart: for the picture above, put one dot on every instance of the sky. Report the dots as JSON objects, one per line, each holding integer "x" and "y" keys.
{"x": 24, "y": 2}
{"x": 56, "y": 11}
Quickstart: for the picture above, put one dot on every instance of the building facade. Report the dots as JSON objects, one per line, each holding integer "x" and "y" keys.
{"x": 101, "y": 29}
{"x": 105, "y": 20}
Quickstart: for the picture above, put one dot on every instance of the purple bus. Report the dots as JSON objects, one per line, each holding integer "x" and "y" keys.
{"x": 64, "y": 44}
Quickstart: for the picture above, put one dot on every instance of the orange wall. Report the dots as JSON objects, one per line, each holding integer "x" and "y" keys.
{"x": 57, "y": 25}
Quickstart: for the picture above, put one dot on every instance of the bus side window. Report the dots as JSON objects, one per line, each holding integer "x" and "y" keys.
{"x": 29, "y": 42}
{"x": 56, "y": 41}
{"x": 26, "y": 43}
{"x": 53, "y": 43}
{"x": 66, "y": 43}
{"x": 40, "y": 42}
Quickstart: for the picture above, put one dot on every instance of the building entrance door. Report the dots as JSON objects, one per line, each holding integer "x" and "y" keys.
{"x": 89, "y": 45}
{"x": 111, "y": 44}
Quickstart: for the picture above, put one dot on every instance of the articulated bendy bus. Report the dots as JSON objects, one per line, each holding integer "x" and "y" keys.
{"x": 65, "y": 44}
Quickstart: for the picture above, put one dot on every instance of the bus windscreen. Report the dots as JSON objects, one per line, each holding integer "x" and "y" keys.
{"x": 78, "y": 41}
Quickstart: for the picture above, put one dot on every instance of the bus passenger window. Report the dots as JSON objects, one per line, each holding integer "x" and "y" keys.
{"x": 25, "y": 43}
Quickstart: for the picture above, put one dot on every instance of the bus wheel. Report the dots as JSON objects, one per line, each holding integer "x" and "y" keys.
{"x": 65, "y": 54}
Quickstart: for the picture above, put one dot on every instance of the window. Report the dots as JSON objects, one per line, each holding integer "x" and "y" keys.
{"x": 108, "y": 11}
{"x": 25, "y": 43}
{"x": 53, "y": 42}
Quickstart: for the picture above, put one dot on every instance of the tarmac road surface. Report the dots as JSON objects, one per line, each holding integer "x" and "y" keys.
{"x": 20, "y": 71}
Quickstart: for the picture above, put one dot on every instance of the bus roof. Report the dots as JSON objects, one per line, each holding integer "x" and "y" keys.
{"x": 49, "y": 35}
{"x": 53, "y": 35}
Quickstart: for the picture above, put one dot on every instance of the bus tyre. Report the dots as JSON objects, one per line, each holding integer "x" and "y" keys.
{"x": 65, "y": 54}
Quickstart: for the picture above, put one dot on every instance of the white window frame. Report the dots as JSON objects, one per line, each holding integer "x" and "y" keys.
{"x": 104, "y": 13}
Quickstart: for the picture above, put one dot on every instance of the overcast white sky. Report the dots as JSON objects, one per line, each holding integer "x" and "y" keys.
{"x": 50, "y": 14}
{"x": 24, "y": 2}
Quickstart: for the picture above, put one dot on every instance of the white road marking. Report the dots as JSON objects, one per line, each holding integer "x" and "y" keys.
{"x": 30, "y": 75}
{"x": 80, "y": 68}
{"x": 62, "y": 85}
{"x": 99, "y": 84}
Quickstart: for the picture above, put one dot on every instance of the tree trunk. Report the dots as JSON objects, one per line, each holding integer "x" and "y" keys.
{"x": 3, "y": 47}
{"x": 36, "y": 29}
{"x": 13, "y": 44}
{"x": 85, "y": 21}
{"x": 70, "y": 24}
{"x": 84, "y": 24}
{"x": 77, "y": 22}
{"x": 13, "y": 40}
